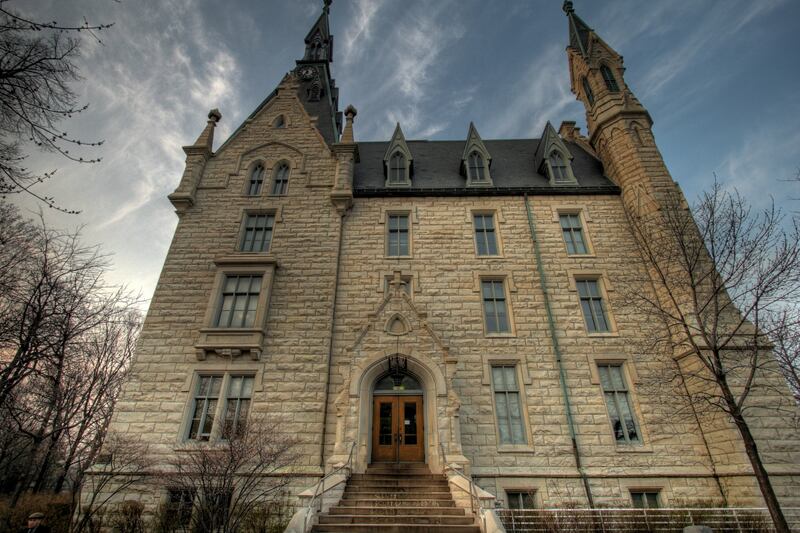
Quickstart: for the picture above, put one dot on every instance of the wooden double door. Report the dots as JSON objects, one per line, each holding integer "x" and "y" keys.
{"x": 397, "y": 429}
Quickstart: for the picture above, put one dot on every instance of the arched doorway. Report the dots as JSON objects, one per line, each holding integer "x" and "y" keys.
{"x": 398, "y": 425}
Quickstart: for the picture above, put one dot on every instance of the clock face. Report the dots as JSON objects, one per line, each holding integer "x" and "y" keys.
{"x": 307, "y": 73}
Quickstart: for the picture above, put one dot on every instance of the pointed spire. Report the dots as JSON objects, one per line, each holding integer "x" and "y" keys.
{"x": 319, "y": 41}
{"x": 474, "y": 142}
{"x": 206, "y": 138}
{"x": 578, "y": 30}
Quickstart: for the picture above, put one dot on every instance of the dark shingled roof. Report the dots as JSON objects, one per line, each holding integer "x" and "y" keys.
{"x": 437, "y": 170}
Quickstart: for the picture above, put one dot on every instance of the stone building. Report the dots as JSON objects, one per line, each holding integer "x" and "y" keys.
{"x": 485, "y": 274}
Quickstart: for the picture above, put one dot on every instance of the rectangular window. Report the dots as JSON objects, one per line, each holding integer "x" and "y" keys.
{"x": 205, "y": 405}
{"x": 238, "y": 302}
{"x": 495, "y": 310}
{"x": 573, "y": 234}
{"x": 179, "y": 507}
{"x": 507, "y": 406}
{"x": 397, "y": 237}
{"x": 594, "y": 312}
{"x": 485, "y": 238}
{"x": 237, "y": 405}
{"x": 520, "y": 500}
{"x": 645, "y": 499}
{"x": 257, "y": 235}
{"x": 620, "y": 411}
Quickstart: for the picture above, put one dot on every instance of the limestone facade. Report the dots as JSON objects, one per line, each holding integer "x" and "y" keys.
{"x": 329, "y": 293}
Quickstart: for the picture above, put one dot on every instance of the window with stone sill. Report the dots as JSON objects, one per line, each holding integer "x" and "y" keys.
{"x": 220, "y": 405}
{"x": 280, "y": 180}
{"x": 645, "y": 499}
{"x": 508, "y": 411}
{"x": 485, "y": 235}
{"x": 618, "y": 403}
{"x": 593, "y": 306}
{"x": 572, "y": 231}
{"x": 257, "y": 232}
{"x": 521, "y": 499}
{"x": 238, "y": 301}
{"x": 397, "y": 235}
{"x": 476, "y": 168}
{"x": 397, "y": 172}
{"x": 495, "y": 306}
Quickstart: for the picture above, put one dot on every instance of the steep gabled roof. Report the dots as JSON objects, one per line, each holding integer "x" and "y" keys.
{"x": 550, "y": 140}
{"x": 579, "y": 31}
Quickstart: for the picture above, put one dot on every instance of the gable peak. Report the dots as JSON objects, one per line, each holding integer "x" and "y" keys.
{"x": 474, "y": 142}
{"x": 398, "y": 142}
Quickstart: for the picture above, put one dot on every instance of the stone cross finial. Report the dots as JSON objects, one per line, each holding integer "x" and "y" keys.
{"x": 397, "y": 282}
{"x": 347, "y": 134}
{"x": 567, "y": 7}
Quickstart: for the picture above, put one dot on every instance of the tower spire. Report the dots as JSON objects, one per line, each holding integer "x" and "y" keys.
{"x": 578, "y": 30}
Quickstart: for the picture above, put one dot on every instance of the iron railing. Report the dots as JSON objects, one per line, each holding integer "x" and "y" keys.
{"x": 474, "y": 501}
{"x": 320, "y": 494}
{"x": 669, "y": 520}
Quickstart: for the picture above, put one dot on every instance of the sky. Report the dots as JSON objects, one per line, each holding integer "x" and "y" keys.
{"x": 716, "y": 76}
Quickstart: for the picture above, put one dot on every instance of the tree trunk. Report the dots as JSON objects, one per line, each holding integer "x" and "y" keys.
{"x": 781, "y": 526}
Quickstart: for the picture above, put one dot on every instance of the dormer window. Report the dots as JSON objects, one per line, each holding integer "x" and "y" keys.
{"x": 397, "y": 169}
{"x": 587, "y": 90}
{"x": 558, "y": 167}
{"x": 608, "y": 77}
{"x": 476, "y": 169}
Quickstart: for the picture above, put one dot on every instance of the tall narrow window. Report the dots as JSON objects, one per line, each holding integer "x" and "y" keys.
{"x": 397, "y": 236}
{"x": 623, "y": 423}
{"x": 507, "y": 407}
{"x": 485, "y": 239}
{"x": 238, "y": 302}
{"x": 237, "y": 405}
{"x": 257, "y": 235}
{"x": 205, "y": 406}
{"x": 573, "y": 233}
{"x": 559, "y": 167}
{"x": 608, "y": 77}
{"x": 477, "y": 172}
{"x": 281, "y": 180}
{"x": 495, "y": 311}
{"x": 587, "y": 89}
{"x": 397, "y": 169}
{"x": 594, "y": 312}
{"x": 256, "y": 180}
{"x": 645, "y": 499}
{"x": 520, "y": 499}
{"x": 179, "y": 506}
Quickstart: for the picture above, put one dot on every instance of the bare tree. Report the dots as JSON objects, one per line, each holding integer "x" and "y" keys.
{"x": 226, "y": 481}
{"x": 785, "y": 326}
{"x": 719, "y": 279}
{"x": 37, "y": 68}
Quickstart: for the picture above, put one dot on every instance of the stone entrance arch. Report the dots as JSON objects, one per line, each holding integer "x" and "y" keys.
{"x": 434, "y": 392}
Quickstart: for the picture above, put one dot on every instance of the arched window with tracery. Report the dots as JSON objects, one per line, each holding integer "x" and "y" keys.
{"x": 256, "y": 180}
{"x": 280, "y": 181}
{"x": 477, "y": 170}
{"x": 397, "y": 169}
{"x": 558, "y": 167}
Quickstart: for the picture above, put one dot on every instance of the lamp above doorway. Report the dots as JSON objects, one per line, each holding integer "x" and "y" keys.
{"x": 397, "y": 367}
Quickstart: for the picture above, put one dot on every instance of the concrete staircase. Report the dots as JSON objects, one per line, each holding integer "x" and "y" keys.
{"x": 397, "y": 497}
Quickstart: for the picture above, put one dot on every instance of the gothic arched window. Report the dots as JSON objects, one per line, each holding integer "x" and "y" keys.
{"x": 558, "y": 167}
{"x": 608, "y": 77}
{"x": 280, "y": 122}
{"x": 587, "y": 89}
{"x": 397, "y": 169}
{"x": 256, "y": 180}
{"x": 280, "y": 181}
{"x": 477, "y": 171}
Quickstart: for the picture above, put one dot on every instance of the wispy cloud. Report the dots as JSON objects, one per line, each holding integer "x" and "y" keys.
{"x": 358, "y": 35}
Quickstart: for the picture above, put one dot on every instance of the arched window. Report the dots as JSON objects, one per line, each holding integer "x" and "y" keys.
{"x": 400, "y": 382}
{"x": 558, "y": 167}
{"x": 280, "y": 122}
{"x": 608, "y": 77}
{"x": 256, "y": 180}
{"x": 280, "y": 182}
{"x": 397, "y": 169}
{"x": 477, "y": 172}
{"x": 587, "y": 89}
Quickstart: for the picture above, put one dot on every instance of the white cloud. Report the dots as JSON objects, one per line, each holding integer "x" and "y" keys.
{"x": 358, "y": 35}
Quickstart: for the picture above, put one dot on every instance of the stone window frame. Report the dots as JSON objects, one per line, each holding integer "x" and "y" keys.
{"x": 631, "y": 377}
{"x": 274, "y": 175}
{"x": 587, "y": 90}
{"x": 565, "y": 157}
{"x": 276, "y": 211}
{"x": 629, "y": 485}
{"x": 605, "y": 287}
{"x": 609, "y": 79}
{"x": 509, "y": 287}
{"x": 647, "y": 490}
{"x": 586, "y": 222}
{"x": 284, "y": 125}
{"x": 264, "y": 180}
{"x": 406, "y": 182}
{"x": 487, "y": 173}
{"x": 233, "y": 342}
{"x": 413, "y": 219}
{"x": 192, "y": 382}
{"x": 527, "y": 446}
{"x": 537, "y": 487}
{"x": 497, "y": 219}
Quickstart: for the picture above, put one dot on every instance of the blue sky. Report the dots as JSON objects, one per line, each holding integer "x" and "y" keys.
{"x": 716, "y": 76}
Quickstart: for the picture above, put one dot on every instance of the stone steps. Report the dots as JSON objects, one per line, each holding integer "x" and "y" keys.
{"x": 402, "y": 498}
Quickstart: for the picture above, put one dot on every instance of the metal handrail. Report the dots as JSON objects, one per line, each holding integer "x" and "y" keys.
{"x": 319, "y": 494}
{"x": 473, "y": 494}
